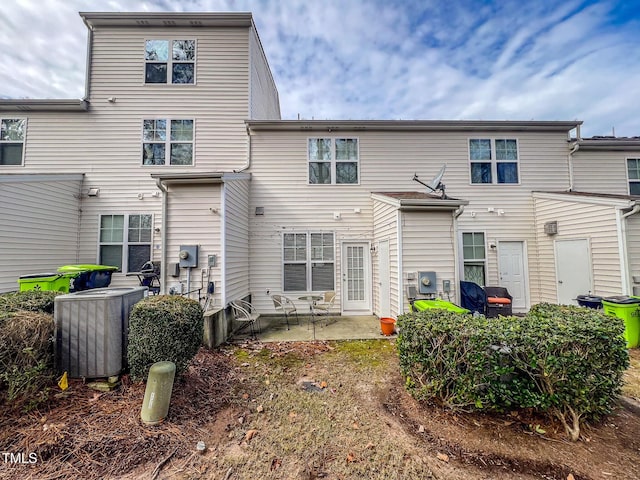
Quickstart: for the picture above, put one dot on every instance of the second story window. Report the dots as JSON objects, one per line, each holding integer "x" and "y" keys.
{"x": 333, "y": 161}
{"x": 12, "y": 132}
{"x": 167, "y": 142}
{"x": 170, "y": 61}
{"x": 633, "y": 171}
{"x": 493, "y": 160}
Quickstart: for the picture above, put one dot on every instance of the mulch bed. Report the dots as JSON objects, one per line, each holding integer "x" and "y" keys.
{"x": 86, "y": 434}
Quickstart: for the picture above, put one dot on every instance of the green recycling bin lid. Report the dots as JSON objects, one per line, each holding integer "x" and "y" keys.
{"x": 85, "y": 267}
{"x": 622, "y": 300}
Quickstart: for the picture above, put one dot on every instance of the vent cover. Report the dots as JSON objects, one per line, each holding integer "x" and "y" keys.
{"x": 551, "y": 228}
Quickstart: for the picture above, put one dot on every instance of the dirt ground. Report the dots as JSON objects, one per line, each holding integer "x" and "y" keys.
{"x": 323, "y": 410}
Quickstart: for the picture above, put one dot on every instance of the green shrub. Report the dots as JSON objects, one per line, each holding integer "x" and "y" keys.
{"x": 163, "y": 328}
{"x": 32, "y": 300}
{"x": 564, "y": 361}
{"x": 26, "y": 356}
{"x": 26, "y": 346}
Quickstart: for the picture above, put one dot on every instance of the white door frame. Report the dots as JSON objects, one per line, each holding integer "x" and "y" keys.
{"x": 367, "y": 303}
{"x": 525, "y": 269}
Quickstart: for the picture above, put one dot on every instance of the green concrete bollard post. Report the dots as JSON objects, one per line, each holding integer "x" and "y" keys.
{"x": 157, "y": 395}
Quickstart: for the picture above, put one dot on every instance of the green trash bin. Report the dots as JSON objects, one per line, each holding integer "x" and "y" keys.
{"x": 420, "y": 305}
{"x": 89, "y": 276}
{"x": 628, "y": 309}
{"x": 47, "y": 282}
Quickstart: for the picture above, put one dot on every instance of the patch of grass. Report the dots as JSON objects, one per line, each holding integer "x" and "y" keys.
{"x": 367, "y": 353}
{"x": 337, "y": 431}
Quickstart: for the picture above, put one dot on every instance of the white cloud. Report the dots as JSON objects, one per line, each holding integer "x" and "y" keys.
{"x": 383, "y": 59}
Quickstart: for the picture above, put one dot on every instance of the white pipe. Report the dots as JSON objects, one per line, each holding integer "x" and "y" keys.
{"x": 400, "y": 269}
{"x": 456, "y": 260}
{"x": 622, "y": 251}
{"x": 163, "y": 237}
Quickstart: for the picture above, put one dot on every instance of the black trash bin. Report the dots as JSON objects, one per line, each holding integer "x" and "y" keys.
{"x": 589, "y": 301}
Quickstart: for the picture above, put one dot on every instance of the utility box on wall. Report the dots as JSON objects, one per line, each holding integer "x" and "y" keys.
{"x": 427, "y": 282}
{"x": 188, "y": 256}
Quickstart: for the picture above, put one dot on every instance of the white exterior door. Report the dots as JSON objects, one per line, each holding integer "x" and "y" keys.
{"x": 573, "y": 270}
{"x": 512, "y": 270}
{"x": 356, "y": 278}
{"x": 383, "y": 272}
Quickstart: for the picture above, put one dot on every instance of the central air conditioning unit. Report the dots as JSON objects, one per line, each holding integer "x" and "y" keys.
{"x": 427, "y": 283}
{"x": 92, "y": 331}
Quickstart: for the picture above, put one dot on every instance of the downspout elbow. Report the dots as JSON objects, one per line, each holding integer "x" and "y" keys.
{"x": 633, "y": 211}
{"x": 458, "y": 212}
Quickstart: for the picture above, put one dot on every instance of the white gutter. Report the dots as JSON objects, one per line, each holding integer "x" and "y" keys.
{"x": 163, "y": 237}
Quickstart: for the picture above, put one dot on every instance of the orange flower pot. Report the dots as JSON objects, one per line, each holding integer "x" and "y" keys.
{"x": 387, "y": 325}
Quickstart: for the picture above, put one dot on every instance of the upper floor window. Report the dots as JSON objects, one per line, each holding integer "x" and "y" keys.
{"x": 125, "y": 241}
{"x": 170, "y": 61}
{"x": 633, "y": 170}
{"x": 167, "y": 142}
{"x": 12, "y": 132}
{"x": 333, "y": 160}
{"x": 493, "y": 160}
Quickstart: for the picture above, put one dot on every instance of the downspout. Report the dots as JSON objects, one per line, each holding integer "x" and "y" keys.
{"x": 456, "y": 260}
{"x": 621, "y": 228}
{"x": 576, "y": 147}
{"x": 163, "y": 237}
{"x": 400, "y": 269}
{"x": 248, "y": 164}
{"x": 87, "y": 87}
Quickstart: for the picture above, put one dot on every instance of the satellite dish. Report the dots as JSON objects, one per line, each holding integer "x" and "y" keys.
{"x": 435, "y": 184}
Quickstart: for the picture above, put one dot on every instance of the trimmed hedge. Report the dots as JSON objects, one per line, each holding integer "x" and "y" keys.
{"x": 26, "y": 346}
{"x": 31, "y": 300}
{"x": 561, "y": 360}
{"x": 163, "y": 328}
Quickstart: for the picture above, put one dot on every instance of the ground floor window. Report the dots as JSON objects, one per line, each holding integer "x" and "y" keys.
{"x": 474, "y": 257}
{"x": 125, "y": 241}
{"x": 308, "y": 262}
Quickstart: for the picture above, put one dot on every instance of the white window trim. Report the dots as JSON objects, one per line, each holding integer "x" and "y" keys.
{"x": 461, "y": 250}
{"x": 494, "y": 161}
{"x": 333, "y": 160}
{"x": 125, "y": 239}
{"x": 24, "y": 140}
{"x": 169, "y": 63}
{"x": 626, "y": 172}
{"x": 167, "y": 142}
{"x": 308, "y": 261}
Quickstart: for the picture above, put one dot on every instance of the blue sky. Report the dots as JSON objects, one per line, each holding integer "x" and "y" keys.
{"x": 359, "y": 59}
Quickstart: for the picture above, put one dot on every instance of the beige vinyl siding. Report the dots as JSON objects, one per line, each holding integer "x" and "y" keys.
{"x": 279, "y": 184}
{"x": 601, "y": 171}
{"x": 218, "y": 101}
{"x": 264, "y": 102}
{"x": 38, "y": 225}
{"x": 387, "y": 162}
{"x": 236, "y": 239}
{"x": 385, "y": 227}
{"x": 191, "y": 222}
{"x": 428, "y": 246}
{"x": 579, "y": 220}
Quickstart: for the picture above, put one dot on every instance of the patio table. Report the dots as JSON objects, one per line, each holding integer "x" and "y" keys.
{"x": 311, "y": 299}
